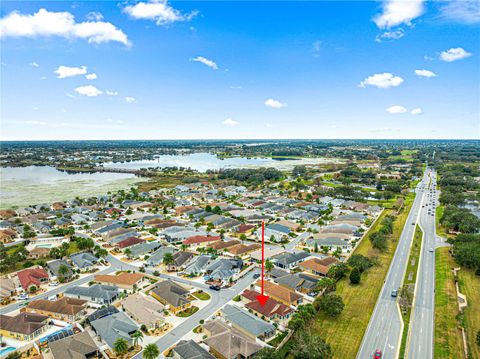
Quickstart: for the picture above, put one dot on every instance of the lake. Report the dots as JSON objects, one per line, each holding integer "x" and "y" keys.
{"x": 206, "y": 161}
{"x": 23, "y": 186}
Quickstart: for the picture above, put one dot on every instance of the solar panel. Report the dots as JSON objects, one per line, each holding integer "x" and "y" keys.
{"x": 102, "y": 312}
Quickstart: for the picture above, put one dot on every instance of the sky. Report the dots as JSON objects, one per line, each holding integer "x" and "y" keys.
{"x": 92, "y": 70}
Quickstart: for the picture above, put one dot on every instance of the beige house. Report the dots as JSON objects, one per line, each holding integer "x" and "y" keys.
{"x": 144, "y": 310}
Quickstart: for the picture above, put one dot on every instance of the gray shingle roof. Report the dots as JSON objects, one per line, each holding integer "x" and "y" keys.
{"x": 114, "y": 326}
{"x": 188, "y": 349}
{"x": 101, "y": 291}
{"x": 248, "y": 322}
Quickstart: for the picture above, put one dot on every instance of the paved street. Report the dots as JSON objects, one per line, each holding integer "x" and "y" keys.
{"x": 420, "y": 344}
{"x": 384, "y": 330}
{"x": 219, "y": 299}
{"x": 55, "y": 290}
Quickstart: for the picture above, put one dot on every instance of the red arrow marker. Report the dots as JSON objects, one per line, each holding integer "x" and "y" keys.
{"x": 262, "y": 299}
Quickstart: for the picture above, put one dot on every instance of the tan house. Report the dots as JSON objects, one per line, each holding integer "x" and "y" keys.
{"x": 144, "y": 310}
{"x": 23, "y": 326}
{"x": 172, "y": 295}
{"x": 66, "y": 309}
{"x": 126, "y": 281}
{"x": 281, "y": 294}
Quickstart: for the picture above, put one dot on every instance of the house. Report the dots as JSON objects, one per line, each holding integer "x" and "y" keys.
{"x": 32, "y": 277}
{"x": 157, "y": 257}
{"x": 38, "y": 253}
{"x": 23, "y": 326}
{"x": 300, "y": 282}
{"x": 84, "y": 261}
{"x": 200, "y": 241}
{"x": 317, "y": 266}
{"x": 143, "y": 248}
{"x": 281, "y": 294}
{"x": 124, "y": 280}
{"x": 332, "y": 243}
{"x": 289, "y": 260}
{"x": 77, "y": 346}
{"x": 114, "y": 326}
{"x": 7, "y": 235}
{"x": 246, "y": 229}
{"x": 188, "y": 349}
{"x": 8, "y": 288}
{"x": 247, "y": 323}
{"x": 130, "y": 241}
{"x": 55, "y": 268}
{"x": 272, "y": 310}
{"x": 242, "y": 250}
{"x": 172, "y": 295}
{"x": 144, "y": 310}
{"x": 198, "y": 265}
{"x": 223, "y": 245}
{"x": 228, "y": 343}
{"x": 180, "y": 261}
{"x": 97, "y": 293}
{"x": 222, "y": 269}
{"x": 65, "y": 309}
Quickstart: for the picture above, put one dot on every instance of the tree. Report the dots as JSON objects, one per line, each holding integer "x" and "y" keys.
{"x": 331, "y": 304}
{"x": 137, "y": 336}
{"x": 355, "y": 276}
{"x": 266, "y": 353}
{"x": 326, "y": 284}
{"x": 151, "y": 352}
{"x": 337, "y": 271}
{"x": 478, "y": 338}
{"x": 360, "y": 262}
{"x": 63, "y": 270}
{"x": 120, "y": 346}
{"x": 308, "y": 345}
{"x": 268, "y": 265}
{"x": 168, "y": 259}
{"x": 128, "y": 252}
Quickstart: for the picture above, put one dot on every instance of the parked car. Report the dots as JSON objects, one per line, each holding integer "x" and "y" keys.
{"x": 215, "y": 287}
{"x": 22, "y": 296}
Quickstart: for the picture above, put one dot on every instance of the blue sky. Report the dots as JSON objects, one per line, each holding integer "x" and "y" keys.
{"x": 190, "y": 70}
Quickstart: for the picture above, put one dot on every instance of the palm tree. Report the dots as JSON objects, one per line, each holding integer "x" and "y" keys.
{"x": 168, "y": 259}
{"x": 268, "y": 265}
{"x": 120, "y": 346}
{"x": 151, "y": 352}
{"x": 128, "y": 252}
{"x": 137, "y": 336}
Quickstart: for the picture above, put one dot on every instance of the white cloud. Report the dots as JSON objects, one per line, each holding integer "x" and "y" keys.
{"x": 396, "y": 109}
{"x": 398, "y": 12}
{"x": 34, "y": 122}
{"x": 230, "y": 122}
{"x": 317, "y": 47}
{"x": 206, "y": 61}
{"x": 91, "y": 76}
{"x": 274, "y": 103}
{"x": 158, "y": 11}
{"x": 63, "y": 24}
{"x": 384, "y": 80}
{"x": 130, "y": 99}
{"x": 88, "y": 90}
{"x": 390, "y": 35}
{"x": 454, "y": 54}
{"x": 67, "y": 71}
{"x": 94, "y": 16}
{"x": 269, "y": 125}
{"x": 111, "y": 93}
{"x": 425, "y": 73}
{"x": 35, "y": 108}
{"x": 463, "y": 11}
{"x": 417, "y": 111}
{"x": 34, "y": 64}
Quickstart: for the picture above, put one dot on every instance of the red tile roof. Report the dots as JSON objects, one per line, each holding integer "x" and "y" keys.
{"x": 245, "y": 228}
{"x": 200, "y": 239}
{"x": 31, "y": 276}
{"x": 130, "y": 241}
{"x": 271, "y": 307}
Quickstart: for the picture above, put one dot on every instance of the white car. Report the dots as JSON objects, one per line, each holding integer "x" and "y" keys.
{"x": 431, "y": 250}
{"x": 53, "y": 284}
{"x": 22, "y": 297}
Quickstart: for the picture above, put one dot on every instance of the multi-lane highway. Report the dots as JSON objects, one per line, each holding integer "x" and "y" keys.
{"x": 385, "y": 328}
{"x": 420, "y": 338}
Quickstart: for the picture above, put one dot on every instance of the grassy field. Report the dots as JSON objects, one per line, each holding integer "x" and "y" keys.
{"x": 470, "y": 286}
{"x": 345, "y": 333}
{"x": 410, "y": 280}
{"x": 448, "y": 338}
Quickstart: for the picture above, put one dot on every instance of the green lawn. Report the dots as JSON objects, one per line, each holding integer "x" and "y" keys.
{"x": 448, "y": 338}
{"x": 470, "y": 286}
{"x": 187, "y": 312}
{"x": 201, "y": 295}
